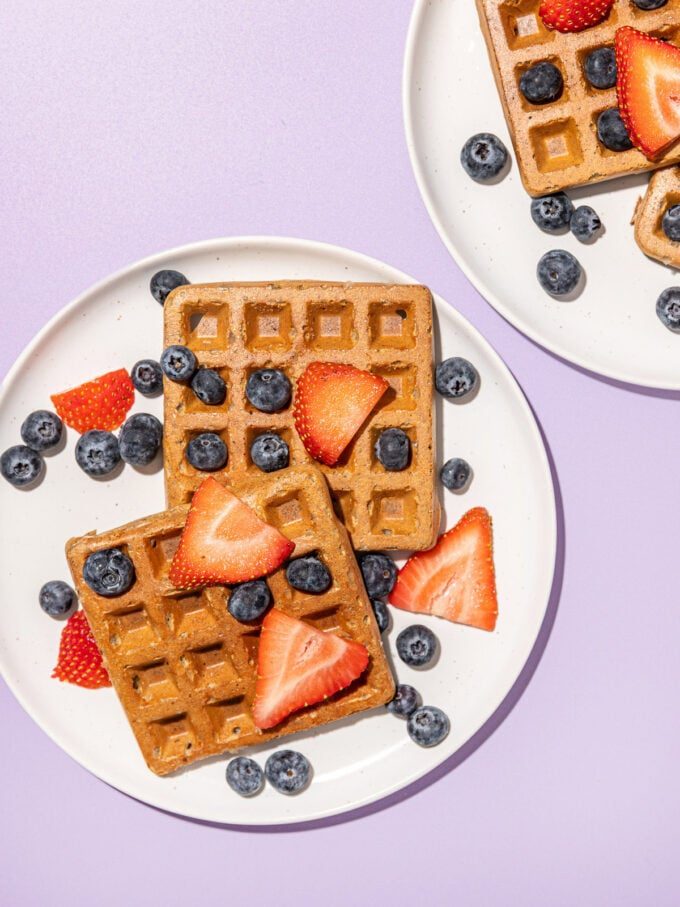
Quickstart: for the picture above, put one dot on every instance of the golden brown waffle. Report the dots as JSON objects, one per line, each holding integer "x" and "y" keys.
{"x": 556, "y": 144}
{"x": 663, "y": 192}
{"x": 183, "y": 668}
{"x": 238, "y": 328}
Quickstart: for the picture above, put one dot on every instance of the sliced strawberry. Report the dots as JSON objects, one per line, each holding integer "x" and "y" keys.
{"x": 455, "y": 579}
{"x": 648, "y": 89}
{"x": 80, "y": 660}
{"x": 298, "y": 665}
{"x": 225, "y": 541}
{"x": 573, "y": 15}
{"x": 102, "y": 403}
{"x": 332, "y": 401}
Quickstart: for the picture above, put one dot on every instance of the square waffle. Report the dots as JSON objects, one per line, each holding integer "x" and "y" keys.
{"x": 556, "y": 144}
{"x": 385, "y": 329}
{"x": 183, "y": 668}
{"x": 663, "y": 192}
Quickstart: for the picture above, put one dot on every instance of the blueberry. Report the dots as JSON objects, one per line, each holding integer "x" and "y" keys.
{"x": 287, "y": 771}
{"x": 428, "y": 726}
{"x": 650, "y": 4}
{"x": 146, "y": 422}
{"x": 209, "y": 387}
{"x": 382, "y": 615}
{"x": 109, "y": 572}
{"x": 147, "y": 377}
{"x": 41, "y": 430}
{"x": 269, "y": 452}
{"x": 207, "y": 452}
{"x": 483, "y": 156}
{"x": 611, "y": 130}
{"x": 178, "y": 364}
{"x": 139, "y": 441}
{"x": 379, "y": 572}
{"x": 455, "y": 474}
{"x": 600, "y": 67}
{"x": 558, "y": 272}
{"x": 668, "y": 309}
{"x": 249, "y": 601}
{"x": 164, "y": 282}
{"x": 57, "y": 598}
{"x": 97, "y": 452}
{"x": 21, "y": 465}
{"x": 393, "y": 449}
{"x": 670, "y": 225}
{"x": 405, "y": 701}
{"x": 308, "y": 574}
{"x": 244, "y": 776}
{"x": 268, "y": 390}
{"x": 416, "y": 645}
{"x": 541, "y": 83}
{"x": 585, "y": 223}
{"x": 455, "y": 378}
{"x": 552, "y": 213}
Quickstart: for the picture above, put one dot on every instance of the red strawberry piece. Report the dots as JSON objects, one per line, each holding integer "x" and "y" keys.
{"x": 648, "y": 88}
{"x": 80, "y": 660}
{"x": 298, "y": 665}
{"x": 102, "y": 403}
{"x": 225, "y": 541}
{"x": 332, "y": 401}
{"x": 573, "y": 15}
{"x": 455, "y": 579}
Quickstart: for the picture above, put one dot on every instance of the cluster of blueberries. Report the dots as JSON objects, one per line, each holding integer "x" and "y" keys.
{"x": 23, "y": 464}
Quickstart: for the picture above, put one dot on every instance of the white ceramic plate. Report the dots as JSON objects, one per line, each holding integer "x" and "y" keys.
{"x": 117, "y": 322}
{"x": 612, "y": 328}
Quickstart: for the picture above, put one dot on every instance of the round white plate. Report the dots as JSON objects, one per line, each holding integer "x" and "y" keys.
{"x": 612, "y": 328}
{"x": 117, "y": 322}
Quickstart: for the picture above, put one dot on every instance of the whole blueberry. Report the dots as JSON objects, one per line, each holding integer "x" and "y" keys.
{"x": 288, "y": 772}
{"x": 650, "y": 4}
{"x": 416, "y": 645}
{"x": 308, "y": 574}
{"x": 147, "y": 377}
{"x": 670, "y": 224}
{"x": 164, "y": 282}
{"x": 483, "y": 156}
{"x": 455, "y": 378}
{"x": 558, "y": 272}
{"x": 393, "y": 449}
{"x": 109, "y": 572}
{"x": 668, "y": 309}
{"x": 552, "y": 213}
{"x": 541, "y": 83}
{"x": 21, "y": 465}
{"x": 428, "y": 726}
{"x": 379, "y": 572}
{"x": 41, "y": 430}
{"x": 585, "y": 223}
{"x": 139, "y": 442}
{"x": 97, "y": 452}
{"x": 207, "y": 452}
{"x": 269, "y": 452}
{"x": 612, "y": 131}
{"x": 244, "y": 776}
{"x": 382, "y": 615}
{"x": 405, "y": 701}
{"x": 268, "y": 390}
{"x": 249, "y": 601}
{"x": 455, "y": 474}
{"x": 146, "y": 422}
{"x": 178, "y": 364}
{"x": 209, "y": 387}
{"x": 600, "y": 67}
{"x": 57, "y": 598}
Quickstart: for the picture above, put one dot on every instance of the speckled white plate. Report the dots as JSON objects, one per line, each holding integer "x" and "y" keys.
{"x": 357, "y": 761}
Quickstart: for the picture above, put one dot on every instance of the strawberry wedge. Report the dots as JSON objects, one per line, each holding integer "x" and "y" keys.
{"x": 102, "y": 403}
{"x": 225, "y": 541}
{"x": 298, "y": 665}
{"x": 455, "y": 579}
{"x": 574, "y": 15}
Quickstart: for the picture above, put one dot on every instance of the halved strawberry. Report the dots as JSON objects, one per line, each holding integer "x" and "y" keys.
{"x": 298, "y": 665}
{"x": 80, "y": 660}
{"x": 225, "y": 541}
{"x": 573, "y": 15}
{"x": 648, "y": 89}
{"x": 455, "y": 579}
{"x": 332, "y": 401}
{"x": 102, "y": 403}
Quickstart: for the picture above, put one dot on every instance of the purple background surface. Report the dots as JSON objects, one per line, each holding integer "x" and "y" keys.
{"x": 132, "y": 127}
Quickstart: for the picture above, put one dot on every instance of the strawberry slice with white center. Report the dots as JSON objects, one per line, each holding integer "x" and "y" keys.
{"x": 298, "y": 665}
{"x": 648, "y": 89}
{"x": 456, "y": 579}
{"x": 225, "y": 541}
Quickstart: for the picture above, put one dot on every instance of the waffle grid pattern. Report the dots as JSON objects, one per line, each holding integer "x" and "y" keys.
{"x": 662, "y": 193}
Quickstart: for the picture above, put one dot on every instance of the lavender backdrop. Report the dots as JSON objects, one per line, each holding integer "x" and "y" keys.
{"x": 130, "y": 127}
